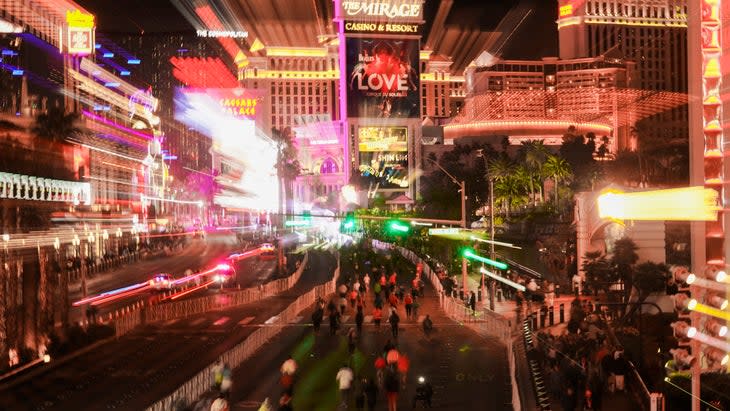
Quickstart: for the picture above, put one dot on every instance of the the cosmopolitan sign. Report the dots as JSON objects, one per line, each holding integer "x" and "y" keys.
{"x": 392, "y": 10}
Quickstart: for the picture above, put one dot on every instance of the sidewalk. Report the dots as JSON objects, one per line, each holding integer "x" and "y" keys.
{"x": 612, "y": 401}
{"x": 464, "y": 368}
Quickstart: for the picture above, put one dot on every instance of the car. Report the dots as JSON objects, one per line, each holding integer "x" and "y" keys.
{"x": 268, "y": 251}
{"x": 162, "y": 281}
{"x": 225, "y": 275}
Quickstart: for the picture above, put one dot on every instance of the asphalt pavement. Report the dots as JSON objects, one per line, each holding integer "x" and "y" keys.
{"x": 467, "y": 371}
{"x": 145, "y": 365}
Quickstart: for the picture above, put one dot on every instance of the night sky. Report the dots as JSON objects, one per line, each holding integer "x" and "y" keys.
{"x": 534, "y": 39}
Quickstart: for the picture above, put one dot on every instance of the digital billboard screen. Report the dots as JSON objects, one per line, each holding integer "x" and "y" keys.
{"x": 384, "y": 156}
{"x": 383, "y": 78}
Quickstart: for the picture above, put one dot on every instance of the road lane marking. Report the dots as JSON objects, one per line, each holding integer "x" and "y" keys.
{"x": 246, "y": 320}
{"x": 221, "y": 321}
{"x": 272, "y": 320}
{"x": 198, "y": 321}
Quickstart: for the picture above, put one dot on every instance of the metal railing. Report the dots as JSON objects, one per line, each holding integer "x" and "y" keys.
{"x": 197, "y": 386}
{"x": 105, "y": 264}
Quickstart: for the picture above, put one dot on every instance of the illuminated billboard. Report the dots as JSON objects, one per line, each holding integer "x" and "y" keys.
{"x": 384, "y": 156}
{"x": 382, "y": 139}
{"x": 238, "y": 103}
{"x": 382, "y": 10}
{"x": 383, "y": 78}
{"x": 79, "y": 33}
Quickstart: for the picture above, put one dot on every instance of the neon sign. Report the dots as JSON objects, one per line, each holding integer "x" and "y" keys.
{"x": 237, "y": 107}
{"x": 566, "y": 10}
{"x": 80, "y": 32}
{"x": 234, "y": 34}
{"x": 383, "y": 9}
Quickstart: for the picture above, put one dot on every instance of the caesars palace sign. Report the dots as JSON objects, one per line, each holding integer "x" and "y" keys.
{"x": 390, "y": 9}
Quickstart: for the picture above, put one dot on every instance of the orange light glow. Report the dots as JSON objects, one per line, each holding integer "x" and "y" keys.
{"x": 679, "y": 204}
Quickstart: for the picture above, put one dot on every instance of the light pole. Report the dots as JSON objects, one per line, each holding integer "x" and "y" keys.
{"x": 492, "y": 286}
{"x": 76, "y": 241}
{"x": 462, "y": 189}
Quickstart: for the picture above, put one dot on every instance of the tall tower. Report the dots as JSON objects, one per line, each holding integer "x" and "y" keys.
{"x": 653, "y": 33}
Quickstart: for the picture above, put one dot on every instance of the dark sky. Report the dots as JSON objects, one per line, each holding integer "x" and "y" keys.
{"x": 535, "y": 38}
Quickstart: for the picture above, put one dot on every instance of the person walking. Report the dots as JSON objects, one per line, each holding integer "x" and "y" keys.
{"x": 334, "y": 322}
{"x": 371, "y": 394}
{"x": 360, "y": 395}
{"x": 427, "y": 326}
{"x": 392, "y": 387}
{"x": 359, "y": 318}
{"x": 394, "y": 320}
{"x": 217, "y": 372}
{"x": 317, "y": 317}
{"x": 351, "y": 340}
{"x": 344, "y": 379}
{"x": 408, "y": 301}
{"x": 227, "y": 381}
{"x": 424, "y": 392}
{"x": 473, "y": 303}
{"x": 366, "y": 282}
{"x": 377, "y": 316}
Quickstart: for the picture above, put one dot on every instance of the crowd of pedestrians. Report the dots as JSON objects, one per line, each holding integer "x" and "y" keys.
{"x": 381, "y": 295}
{"x": 581, "y": 363}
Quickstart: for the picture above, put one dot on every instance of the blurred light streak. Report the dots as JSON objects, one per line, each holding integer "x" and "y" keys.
{"x": 709, "y": 310}
{"x": 191, "y": 290}
{"x": 109, "y": 293}
{"x": 117, "y": 126}
{"x": 122, "y": 295}
{"x": 682, "y": 204}
{"x": 499, "y": 278}
{"x": 90, "y": 147}
{"x": 496, "y": 242}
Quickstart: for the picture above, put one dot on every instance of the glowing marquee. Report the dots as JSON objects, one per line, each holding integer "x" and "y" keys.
{"x": 566, "y": 10}
{"x": 79, "y": 33}
{"x": 382, "y": 9}
{"x": 679, "y": 204}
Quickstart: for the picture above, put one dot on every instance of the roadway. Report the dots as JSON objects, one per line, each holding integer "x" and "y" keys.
{"x": 143, "y": 366}
{"x": 198, "y": 254}
{"x": 467, "y": 371}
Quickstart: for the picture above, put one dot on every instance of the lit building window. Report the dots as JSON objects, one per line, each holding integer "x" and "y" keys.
{"x": 329, "y": 166}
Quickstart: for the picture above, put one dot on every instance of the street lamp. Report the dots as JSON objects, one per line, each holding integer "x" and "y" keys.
{"x": 480, "y": 153}
{"x": 462, "y": 189}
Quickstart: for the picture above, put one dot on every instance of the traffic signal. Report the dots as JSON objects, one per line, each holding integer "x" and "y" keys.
{"x": 395, "y": 227}
{"x": 348, "y": 224}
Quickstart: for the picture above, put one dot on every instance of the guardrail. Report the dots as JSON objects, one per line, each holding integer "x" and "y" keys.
{"x": 194, "y": 388}
{"x": 127, "y": 319}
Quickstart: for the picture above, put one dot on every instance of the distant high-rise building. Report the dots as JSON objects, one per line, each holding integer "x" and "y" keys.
{"x": 653, "y": 34}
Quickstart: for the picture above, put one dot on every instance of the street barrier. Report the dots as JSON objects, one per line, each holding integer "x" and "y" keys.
{"x": 194, "y": 388}
{"x": 180, "y": 309}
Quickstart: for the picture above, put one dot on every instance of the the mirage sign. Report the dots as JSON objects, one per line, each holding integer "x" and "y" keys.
{"x": 380, "y": 10}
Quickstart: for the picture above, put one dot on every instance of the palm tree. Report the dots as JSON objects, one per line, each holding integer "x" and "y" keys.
{"x": 624, "y": 257}
{"x": 559, "y": 169}
{"x": 535, "y": 155}
{"x": 509, "y": 192}
{"x": 55, "y": 126}
{"x": 501, "y": 168}
{"x": 524, "y": 178}
{"x": 287, "y": 165}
